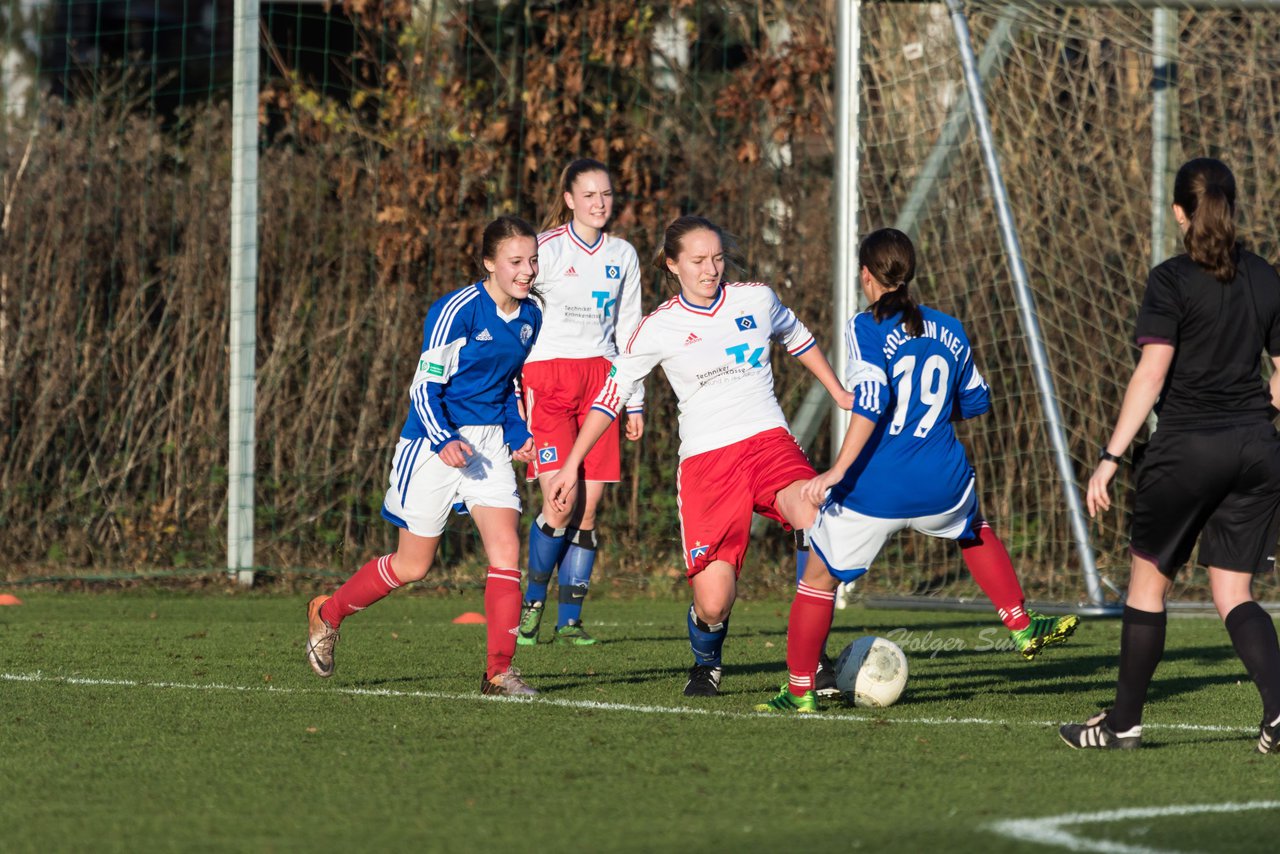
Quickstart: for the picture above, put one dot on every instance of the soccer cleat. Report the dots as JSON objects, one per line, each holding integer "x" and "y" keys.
{"x": 704, "y": 681}
{"x": 1097, "y": 733}
{"x": 573, "y": 634}
{"x": 508, "y": 683}
{"x": 1269, "y": 737}
{"x": 530, "y": 620}
{"x": 824, "y": 681}
{"x": 789, "y": 703}
{"x": 1042, "y": 631}
{"x": 321, "y": 638}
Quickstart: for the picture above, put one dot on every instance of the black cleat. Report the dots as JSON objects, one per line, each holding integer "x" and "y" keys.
{"x": 824, "y": 681}
{"x": 1096, "y": 733}
{"x": 704, "y": 681}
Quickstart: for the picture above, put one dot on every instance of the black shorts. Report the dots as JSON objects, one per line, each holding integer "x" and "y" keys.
{"x": 1221, "y": 487}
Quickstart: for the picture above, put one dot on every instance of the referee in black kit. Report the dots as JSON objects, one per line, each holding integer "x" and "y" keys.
{"x": 1212, "y": 469}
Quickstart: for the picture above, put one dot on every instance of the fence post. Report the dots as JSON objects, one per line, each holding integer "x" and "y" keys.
{"x": 244, "y": 292}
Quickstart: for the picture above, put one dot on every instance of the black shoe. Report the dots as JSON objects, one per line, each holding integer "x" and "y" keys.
{"x": 704, "y": 681}
{"x": 1097, "y": 733}
{"x": 1269, "y": 737}
{"x": 824, "y": 681}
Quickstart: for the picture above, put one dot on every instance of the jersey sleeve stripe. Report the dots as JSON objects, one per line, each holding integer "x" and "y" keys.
{"x": 803, "y": 348}
{"x": 666, "y": 305}
{"x": 601, "y": 408}
{"x": 548, "y": 235}
{"x": 440, "y": 332}
{"x": 422, "y": 405}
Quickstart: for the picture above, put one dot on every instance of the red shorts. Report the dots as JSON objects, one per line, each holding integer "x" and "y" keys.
{"x": 717, "y": 492}
{"x": 558, "y": 394}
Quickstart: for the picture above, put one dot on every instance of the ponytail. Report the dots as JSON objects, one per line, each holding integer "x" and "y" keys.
{"x": 1205, "y": 189}
{"x": 889, "y": 255}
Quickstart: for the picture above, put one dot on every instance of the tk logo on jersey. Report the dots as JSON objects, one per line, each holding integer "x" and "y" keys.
{"x": 740, "y": 355}
{"x": 548, "y": 454}
{"x": 613, "y": 271}
{"x": 603, "y": 302}
{"x": 746, "y": 322}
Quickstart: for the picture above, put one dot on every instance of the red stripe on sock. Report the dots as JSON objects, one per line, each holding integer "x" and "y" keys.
{"x": 991, "y": 568}
{"x": 372, "y": 582}
{"x": 502, "y": 615}
{"x": 807, "y": 630}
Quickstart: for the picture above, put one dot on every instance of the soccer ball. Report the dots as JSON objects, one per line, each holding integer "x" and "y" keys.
{"x": 871, "y": 672}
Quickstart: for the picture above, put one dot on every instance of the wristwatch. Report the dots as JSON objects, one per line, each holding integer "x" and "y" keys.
{"x": 1104, "y": 454}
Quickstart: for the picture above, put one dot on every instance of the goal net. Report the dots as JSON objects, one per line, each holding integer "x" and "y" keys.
{"x": 1085, "y": 101}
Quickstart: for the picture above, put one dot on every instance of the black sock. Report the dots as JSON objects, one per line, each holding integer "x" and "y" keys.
{"x": 1141, "y": 647}
{"x": 1253, "y": 634}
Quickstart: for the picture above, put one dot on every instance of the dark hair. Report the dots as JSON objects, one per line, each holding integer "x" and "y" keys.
{"x": 681, "y": 227}
{"x": 1205, "y": 189}
{"x": 498, "y": 232}
{"x": 889, "y": 256}
{"x": 560, "y": 213}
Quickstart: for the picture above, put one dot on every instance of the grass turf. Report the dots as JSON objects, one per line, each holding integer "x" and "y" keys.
{"x": 170, "y": 722}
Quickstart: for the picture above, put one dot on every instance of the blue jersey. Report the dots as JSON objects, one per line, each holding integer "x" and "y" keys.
{"x": 912, "y": 388}
{"x": 471, "y": 355}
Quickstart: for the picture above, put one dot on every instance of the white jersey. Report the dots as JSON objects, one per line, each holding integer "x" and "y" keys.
{"x": 591, "y": 298}
{"x": 717, "y": 361}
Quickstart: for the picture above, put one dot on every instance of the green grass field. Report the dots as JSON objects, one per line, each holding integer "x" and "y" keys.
{"x": 162, "y": 721}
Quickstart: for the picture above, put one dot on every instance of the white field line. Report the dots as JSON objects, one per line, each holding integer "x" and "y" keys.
{"x": 1052, "y": 829}
{"x": 593, "y": 705}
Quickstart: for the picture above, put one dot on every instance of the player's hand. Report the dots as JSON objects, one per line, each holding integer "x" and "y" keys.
{"x": 525, "y": 452}
{"x": 815, "y": 490}
{"x": 1098, "y": 496}
{"x": 635, "y": 426}
{"x": 844, "y": 400}
{"x": 456, "y": 453}
{"x": 560, "y": 489}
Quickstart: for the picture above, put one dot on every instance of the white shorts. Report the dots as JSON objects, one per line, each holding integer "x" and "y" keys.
{"x": 848, "y": 541}
{"x": 423, "y": 489}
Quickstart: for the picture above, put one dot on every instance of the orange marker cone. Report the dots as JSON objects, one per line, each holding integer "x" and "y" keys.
{"x": 9, "y": 599}
{"x": 469, "y": 617}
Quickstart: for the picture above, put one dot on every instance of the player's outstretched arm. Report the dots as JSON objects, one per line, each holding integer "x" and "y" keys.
{"x": 816, "y": 361}
{"x": 1143, "y": 391}
{"x": 855, "y": 439}
{"x": 559, "y": 490}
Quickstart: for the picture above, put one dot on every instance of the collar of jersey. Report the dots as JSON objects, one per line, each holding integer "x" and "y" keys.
{"x": 697, "y": 309}
{"x": 493, "y": 306}
{"x": 591, "y": 249}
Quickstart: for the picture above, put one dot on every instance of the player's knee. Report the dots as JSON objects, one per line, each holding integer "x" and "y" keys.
{"x": 409, "y": 568}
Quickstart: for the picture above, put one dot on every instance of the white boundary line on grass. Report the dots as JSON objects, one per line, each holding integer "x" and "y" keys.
{"x": 591, "y": 705}
{"x": 1050, "y": 829}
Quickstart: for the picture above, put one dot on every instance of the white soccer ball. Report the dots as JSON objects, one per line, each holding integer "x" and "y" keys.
{"x": 872, "y": 672}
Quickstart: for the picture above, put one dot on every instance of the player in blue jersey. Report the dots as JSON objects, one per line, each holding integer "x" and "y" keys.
{"x": 463, "y": 429}
{"x": 900, "y": 466}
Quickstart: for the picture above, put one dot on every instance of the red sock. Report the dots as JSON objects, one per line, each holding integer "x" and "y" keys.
{"x": 502, "y": 615}
{"x": 807, "y": 630}
{"x": 989, "y": 564}
{"x": 371, "y": 582}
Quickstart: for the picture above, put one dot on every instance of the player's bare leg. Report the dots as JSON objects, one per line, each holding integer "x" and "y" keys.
{"x": 798, "y": 512}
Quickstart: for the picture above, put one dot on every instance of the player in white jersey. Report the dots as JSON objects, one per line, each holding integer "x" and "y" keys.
{"x": 590, "y": 285}
{"x": 900, "y": 466}
{"x": 714, "y": 343}
{"x": 462, "y": 431}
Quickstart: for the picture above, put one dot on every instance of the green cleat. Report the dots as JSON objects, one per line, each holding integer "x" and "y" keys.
{"x": 1042, "y": 631}
{"x": 573, "y": 634}
{"x": 530, "y": 620}
{"x": 789, "y": 703}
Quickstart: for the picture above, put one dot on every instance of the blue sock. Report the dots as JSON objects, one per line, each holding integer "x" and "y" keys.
{"x": 546, "y": 548}
{"x": 575, "y": 575}
{"x": 802, "y": 554}
{"x": 706, "y": 641}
